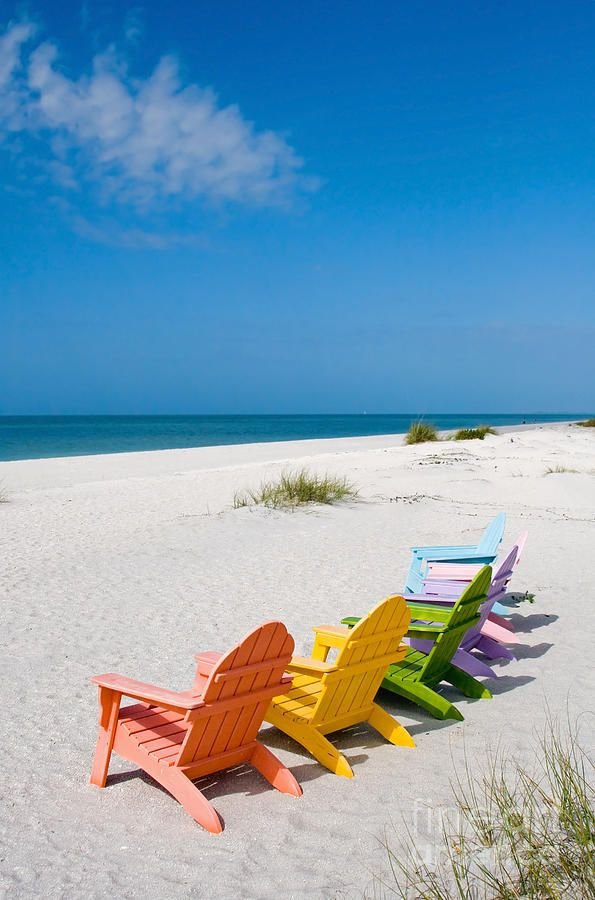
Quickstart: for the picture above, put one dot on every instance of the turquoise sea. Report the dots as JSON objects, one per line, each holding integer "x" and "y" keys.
{"x": 38, "y": 437}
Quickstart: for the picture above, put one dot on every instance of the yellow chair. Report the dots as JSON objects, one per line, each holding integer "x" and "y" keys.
{"x": 328, "y": 696}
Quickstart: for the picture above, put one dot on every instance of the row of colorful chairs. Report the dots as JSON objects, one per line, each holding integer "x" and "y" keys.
{"x": 445, "y": 614}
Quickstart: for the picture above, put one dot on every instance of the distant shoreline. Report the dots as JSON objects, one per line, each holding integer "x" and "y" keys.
{"x": 60, "y": 437}
{"x": 59, "y": 472}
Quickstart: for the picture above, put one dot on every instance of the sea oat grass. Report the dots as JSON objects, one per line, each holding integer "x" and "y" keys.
{"x": 420, "y": 432}
{"x": 588, "y": 423}
{"x": 296, "y": 489}
{"x": 520, "y": 832}
{"x": 468, "y": 434}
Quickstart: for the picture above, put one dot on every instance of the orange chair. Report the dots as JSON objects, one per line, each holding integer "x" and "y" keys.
{"x": 179, "y": 736}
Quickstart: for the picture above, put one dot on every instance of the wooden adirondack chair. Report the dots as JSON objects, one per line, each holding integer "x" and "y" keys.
{"x": 178, "y": 736}
{"x": 444, "y": 594}
{"x": 448, "y": 572}
{"x": 328, "y": 696}
{"x": 417, "y": 676}
{"x": 456, "y": 571}
{"x": 483, "y": 553}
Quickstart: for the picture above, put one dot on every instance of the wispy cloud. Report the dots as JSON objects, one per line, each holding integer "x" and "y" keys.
{"x": 133, "y": 25}
{"x": 111, "y": 234}
{"x": 139, "y": 142}
{"x": 14, "y": 94}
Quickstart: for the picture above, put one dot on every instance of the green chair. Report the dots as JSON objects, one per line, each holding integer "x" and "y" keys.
{"x": 418, "y": 675}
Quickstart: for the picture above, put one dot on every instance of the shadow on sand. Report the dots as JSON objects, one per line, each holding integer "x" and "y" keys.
{"x": 527, "y": 624}
{"x": 522, "y": 651}
{"x": 505, "y": 683}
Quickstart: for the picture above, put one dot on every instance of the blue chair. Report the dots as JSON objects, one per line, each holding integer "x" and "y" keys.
{"x": 483, "y": 552}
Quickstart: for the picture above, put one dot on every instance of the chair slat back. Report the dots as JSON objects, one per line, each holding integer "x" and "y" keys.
{"x": 238, "y": 692}
{"x": 464, "y": 614}
{"x": 496, "y": 592}
{"x": 362, "y": 662}
{"x": 520, "y": 545}
{"x": 492, "y": 536}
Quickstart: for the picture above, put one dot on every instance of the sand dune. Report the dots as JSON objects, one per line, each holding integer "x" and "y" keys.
{"x": 133, "y": 562}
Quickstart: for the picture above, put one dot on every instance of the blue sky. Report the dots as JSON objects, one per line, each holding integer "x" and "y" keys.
{"x": 297, "y": 207}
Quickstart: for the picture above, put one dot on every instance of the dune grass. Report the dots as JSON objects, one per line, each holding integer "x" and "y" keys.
{"x": 588, "y": 423}
{"x": 420, "y": 432}
{"x": 519, "y": 833}
{"x": 296, "y": 489}
{"x": 468, "y": 434}
{"x": 560, "y": 470}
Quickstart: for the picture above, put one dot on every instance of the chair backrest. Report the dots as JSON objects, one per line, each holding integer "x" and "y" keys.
{"x": 520, "y": 545}
{"x": 238, "y": 692}
{"x": 441, "y": 577}
{"x": 361, "y": 664}
{"x": 497, "y": 590}
{"x": 464, "y": 614}
{"x": 492, "y": 536}
{"x": 503, "y": 574}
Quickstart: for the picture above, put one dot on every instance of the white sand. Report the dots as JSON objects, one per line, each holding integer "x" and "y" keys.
{"x": 133, "y": 562}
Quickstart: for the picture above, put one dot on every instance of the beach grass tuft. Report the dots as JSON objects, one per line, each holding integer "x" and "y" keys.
{"x": 513, "y": 832}
{"x": 588, "y": 423}
{"x": 469, "y": 434}
{"x": 296, "y": 489}
{"x": 420, "y": 432}
{"x": 560, "y": 470}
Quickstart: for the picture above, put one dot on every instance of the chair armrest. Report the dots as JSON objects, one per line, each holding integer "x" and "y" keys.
{"x": 430, "y": 612}
{"x": 151, "y": 693}
{"x": 433, "y": 600}
{"x": 326, "y": 637}
{"x": 308, "y": 664}
{"x": 448, "y": 551}
{"x": 466, "y": 557}
{"x": 452, "y": 571}
{"x": 332, "y": 630}
{"x": 206, "y": 661}
{"x": 421, "y": 629}
{"x": 429, "y": 600}
{"x": 443, "y": 588}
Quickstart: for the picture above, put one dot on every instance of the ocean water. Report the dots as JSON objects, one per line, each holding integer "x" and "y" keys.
{"x": 39, "y": 437}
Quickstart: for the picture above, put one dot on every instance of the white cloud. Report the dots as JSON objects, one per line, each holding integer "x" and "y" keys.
{"x": 141, "y": 141}
{"x": 133, "y": 25}
{"x": 114, "y": 235}
{"x": 13, "y": 91}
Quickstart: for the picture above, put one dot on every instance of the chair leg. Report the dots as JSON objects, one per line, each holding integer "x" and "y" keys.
{"x": 493, "y": 649}
{"x": 501, "y": 620}
{"x": 274, "y": 771}
{"x": 471, "y": 664}
{"x": 467, "y": 684}
{"x": 194, "y": 802}
{"x": 311, "y": 739}
{"x": 389, "y": 728}
{"x": 424, "y": 696}
{"x": 497, "y": 633}
{"x": 109, "y": 707}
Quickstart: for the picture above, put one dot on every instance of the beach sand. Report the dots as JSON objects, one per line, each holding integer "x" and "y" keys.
{"x": 133, "y": 562}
